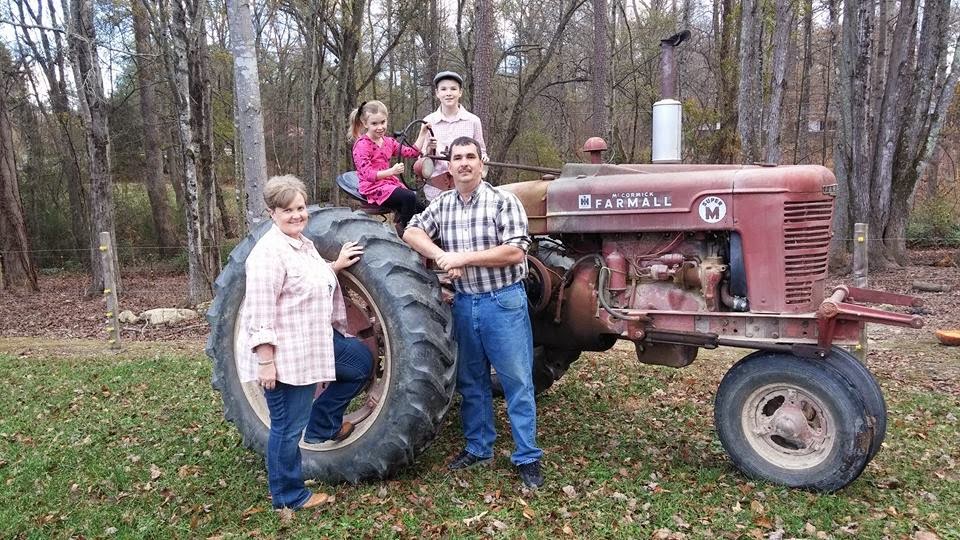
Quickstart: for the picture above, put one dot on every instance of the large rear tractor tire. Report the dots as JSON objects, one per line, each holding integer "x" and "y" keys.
{"x": 394, "y": 305}
{"x": 794, "y": 421}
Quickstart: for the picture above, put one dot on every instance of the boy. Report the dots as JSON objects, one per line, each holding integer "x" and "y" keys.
{"x": 449, "y": 121}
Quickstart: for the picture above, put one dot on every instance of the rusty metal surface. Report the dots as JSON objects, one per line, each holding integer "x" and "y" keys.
{"x": 579, "y": 325}
{"x": 883, "y": 297}
{"x": 533, "y": 197}
{"x": 662, "y": 354}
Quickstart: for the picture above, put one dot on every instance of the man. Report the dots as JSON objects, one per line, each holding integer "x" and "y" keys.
{"x": 482, "y": 232}
{"x": 449, "y": 121}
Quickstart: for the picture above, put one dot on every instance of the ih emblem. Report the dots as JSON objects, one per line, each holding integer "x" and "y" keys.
{"x": 585, "y": 201}
{"x": 712, "y": 209}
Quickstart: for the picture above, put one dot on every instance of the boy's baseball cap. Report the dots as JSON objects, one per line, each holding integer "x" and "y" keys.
{"x": 444, "y": 75}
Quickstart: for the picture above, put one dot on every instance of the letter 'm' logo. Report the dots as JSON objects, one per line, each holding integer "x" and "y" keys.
{"x": 712, "y": 209}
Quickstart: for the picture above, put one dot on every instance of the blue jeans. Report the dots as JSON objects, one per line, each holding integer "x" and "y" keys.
{"x": 494, "y": 328}
{"x": 289, "y": 411}
{"x": 353, "y": 365}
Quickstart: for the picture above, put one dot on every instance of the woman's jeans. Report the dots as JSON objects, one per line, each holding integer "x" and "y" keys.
{"x": 353, "y": 365}
{"x": 289, "y": 411}
{"x": 494, "y": 328}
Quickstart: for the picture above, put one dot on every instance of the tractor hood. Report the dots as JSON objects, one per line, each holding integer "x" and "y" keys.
{"x": 637, "y": 198}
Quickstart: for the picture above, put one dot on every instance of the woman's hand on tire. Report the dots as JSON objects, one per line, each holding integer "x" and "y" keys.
{"x": 349, "y": 254}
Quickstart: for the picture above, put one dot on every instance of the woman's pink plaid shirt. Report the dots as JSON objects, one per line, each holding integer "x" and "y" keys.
{"x": 293, "y": 301}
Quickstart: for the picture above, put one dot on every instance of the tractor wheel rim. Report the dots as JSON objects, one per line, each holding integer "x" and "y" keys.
{"x": 788, "y": 426}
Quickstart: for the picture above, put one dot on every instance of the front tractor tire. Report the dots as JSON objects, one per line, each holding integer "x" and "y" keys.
{"x": 796, "y": 421}
{"x": 394, "y": 305}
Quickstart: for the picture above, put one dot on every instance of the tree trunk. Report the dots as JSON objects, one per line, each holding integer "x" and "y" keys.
{"x": 201, "y": 117}
{"x": 750, "y": 99}
{"x": 152, "y": 149}
{"x": 484, "y": 64}
{"x": 247, "y": 91}
{"x": 932, "y": 93}
{"x": 778, "y": 82}
{"x": 601, "y": 69}
{"x": 90, "y": 95}
{"x": 175, "y": 27}
{"x": 346, "y": 89}
{"x": 16, "y": 261}
{"x": 725, "y": 147}
{"x": 430, "y": 33}
{"x": 311, "y": 83}
{"x": 801, "y": 141}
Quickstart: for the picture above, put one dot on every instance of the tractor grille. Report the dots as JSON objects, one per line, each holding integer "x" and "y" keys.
{"x": 806, "y": 243}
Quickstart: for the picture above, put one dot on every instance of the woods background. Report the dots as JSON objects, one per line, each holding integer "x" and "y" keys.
{"x": 156, "y": 119}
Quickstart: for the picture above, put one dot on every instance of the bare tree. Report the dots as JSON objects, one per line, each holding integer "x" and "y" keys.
{"x": 778, "y": 80}
{"x": 83, "y": 48}
{"x": 750, "y": 97}
{"x": 176, "y": 47}
{"x": 16, "y": 261}
{"x": 247, "y": 91}
{"x": 483, "y": 62}
{"x": 803, "y": 100}
{"x": 601, "y": 69}
{"x": 726, "y": 25}
{"x": 152, "y": 150}
{"x": 201, "y": 117}
{"x": 528, "y": 84}
{"x": 430, "y": 34}
{"x": 345, "y": 30}
{"x": 890, "y": 118}
{"x": 312, "y": 62}
{"x": 50, "y": 54}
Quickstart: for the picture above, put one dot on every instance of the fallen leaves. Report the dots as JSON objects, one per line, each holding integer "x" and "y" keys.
{"x": 470, "y": 521}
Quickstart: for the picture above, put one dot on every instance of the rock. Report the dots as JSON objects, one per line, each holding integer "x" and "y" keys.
{"x": 929, "y": 286}
{"x": 168, "y": 316}
{"x": 951, "y": 338}
{"x": 127, "y": 317}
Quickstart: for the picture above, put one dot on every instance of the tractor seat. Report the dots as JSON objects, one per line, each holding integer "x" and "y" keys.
{"x": 349, "y": 183}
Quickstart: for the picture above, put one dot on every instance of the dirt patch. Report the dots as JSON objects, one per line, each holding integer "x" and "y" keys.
{"x": 94, "y": 349}
{"x": 62, "y": 310}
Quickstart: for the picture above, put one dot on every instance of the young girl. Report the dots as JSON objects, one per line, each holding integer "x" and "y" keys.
{"x": 372, "y": 152}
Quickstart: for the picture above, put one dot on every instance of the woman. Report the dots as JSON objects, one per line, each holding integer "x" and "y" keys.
{"x": 294, "y": 323}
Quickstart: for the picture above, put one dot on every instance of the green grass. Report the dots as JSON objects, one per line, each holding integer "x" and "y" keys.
{"x": 134, "y": 446}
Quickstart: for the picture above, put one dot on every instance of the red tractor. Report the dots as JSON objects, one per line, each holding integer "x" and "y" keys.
{"x": 670, "y": 257}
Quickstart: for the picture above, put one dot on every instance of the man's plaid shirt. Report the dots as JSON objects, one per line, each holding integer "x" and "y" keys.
{"x": 489, "y": 218}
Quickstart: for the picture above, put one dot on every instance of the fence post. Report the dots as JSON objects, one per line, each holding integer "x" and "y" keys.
{"x": 860, "y": 270}
{"x": 110, "y": 290}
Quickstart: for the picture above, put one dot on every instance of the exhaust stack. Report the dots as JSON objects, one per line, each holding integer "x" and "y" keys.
{"x": 667, "y": 113}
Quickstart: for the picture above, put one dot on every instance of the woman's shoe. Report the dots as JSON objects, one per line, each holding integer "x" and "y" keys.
{"x": 315, "y": 500}
{"x": 345, "y": 430}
